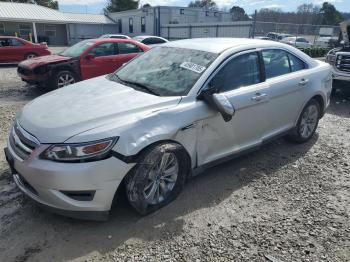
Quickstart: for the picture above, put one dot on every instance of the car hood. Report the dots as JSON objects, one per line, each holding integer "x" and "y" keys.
{"x": 43, "y": 60}
{"x": 64, "y": 113}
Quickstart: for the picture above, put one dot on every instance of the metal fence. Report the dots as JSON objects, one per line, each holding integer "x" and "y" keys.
{"x": 201, "y": 30}
{"x": 319, "y": 35}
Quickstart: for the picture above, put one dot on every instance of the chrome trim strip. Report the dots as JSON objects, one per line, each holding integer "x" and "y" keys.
{"x": 19, "y": 143}
{"x": 27, "y": 135}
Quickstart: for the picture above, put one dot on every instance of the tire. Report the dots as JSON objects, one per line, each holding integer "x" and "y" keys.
{"x": 307, "y": 123}
{"x": 346, "y": 91}
{"x": 30, "y": 56}
{"x": 148, "y": 177}
{"x": 61, "y": 79}
{"x": 342, "y": 86}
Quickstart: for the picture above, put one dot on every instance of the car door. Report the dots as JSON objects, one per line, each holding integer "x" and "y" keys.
{"x": 286, "y": 78}
{"x": 99, "y": 60}
{"x": 5, "y": 50}
{"x": 10, "y": 50}
{"x": 241, "y": 80}
{"x": 126, "y": 52}
{"x": 20, "y": 49}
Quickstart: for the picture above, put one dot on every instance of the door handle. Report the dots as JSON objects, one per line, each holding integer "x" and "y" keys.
{"x": 303, "y": 82}
{"x": 258, "y": 97}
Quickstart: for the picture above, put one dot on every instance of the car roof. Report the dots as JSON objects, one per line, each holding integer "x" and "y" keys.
{"x": 106, "y": 40}
{"x": 4, "y": 36}
{"x": 147, "y": 36}
{"x": 219, "y": 45}
{"x": 115, "y": 35}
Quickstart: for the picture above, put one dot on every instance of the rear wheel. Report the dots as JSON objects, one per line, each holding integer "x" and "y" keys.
{"x": 307, "y": 123}
{"x": 158, "y": 178}
{"x": 30, "y": 56}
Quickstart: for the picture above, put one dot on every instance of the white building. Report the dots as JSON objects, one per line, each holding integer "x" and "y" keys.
{"x": 43, "y": 24}
{"x": 148, "y": 21}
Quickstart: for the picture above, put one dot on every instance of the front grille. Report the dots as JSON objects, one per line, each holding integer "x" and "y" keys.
{"x": 24, "y": 71}
{"x": 80, "y": 195}
{"x": 343, "y": 62}
{"x": 22, "y": 142}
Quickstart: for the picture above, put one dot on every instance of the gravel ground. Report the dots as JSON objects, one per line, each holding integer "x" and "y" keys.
{"x": 282, "y": 203}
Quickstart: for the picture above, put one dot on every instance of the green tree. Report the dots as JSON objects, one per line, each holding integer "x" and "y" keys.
{"x": 121, "y": 5}
{"x": 47, "y": 3}
{"x": 238, "y": 14}
{"x": 330, "y": 15}
{"x": 206, "y": 4}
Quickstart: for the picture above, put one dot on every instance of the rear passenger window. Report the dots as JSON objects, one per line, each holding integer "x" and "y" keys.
{"x": 295, "y": 63}
{"x": 241, "y": 71}
{"x": 15, "y": 42}
{"x": 276, "y": 63}
{"x": 106, "y": 49}
{"x": 128, "y": 48}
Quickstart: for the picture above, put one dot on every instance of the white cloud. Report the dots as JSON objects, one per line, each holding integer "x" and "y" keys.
{"x": 273, "y": 6}
{"x": 81, "y": 2}
{"x": 220, "y": 3}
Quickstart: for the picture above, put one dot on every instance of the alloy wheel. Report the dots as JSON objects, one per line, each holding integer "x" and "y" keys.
{"x": 65, "y": 80}
{"x": 309, "y": 121}
{"x": 161, "y": 178}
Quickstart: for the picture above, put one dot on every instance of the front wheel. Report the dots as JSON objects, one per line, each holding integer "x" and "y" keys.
{"x": 62, "y": 79}
{"x": 307, "y": 123}
{"x": 158, "y": 178}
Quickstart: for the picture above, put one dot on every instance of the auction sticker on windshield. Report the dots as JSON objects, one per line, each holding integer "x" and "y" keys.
{"x": 193, "y": 67}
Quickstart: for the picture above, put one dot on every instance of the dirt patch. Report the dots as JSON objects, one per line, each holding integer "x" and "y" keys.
{"x": 282, "y": 203}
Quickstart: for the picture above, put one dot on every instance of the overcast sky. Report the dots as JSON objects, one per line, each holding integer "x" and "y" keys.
{"x": 96, "y": 6}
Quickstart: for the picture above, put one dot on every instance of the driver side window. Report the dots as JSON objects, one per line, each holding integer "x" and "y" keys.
{"x": 243, "y": 70}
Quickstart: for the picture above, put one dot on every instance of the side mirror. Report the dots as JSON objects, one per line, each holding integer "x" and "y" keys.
{"x": 89, "y": 57}
{"x": 224, "y": 106}
{"x": 219, "y": 102}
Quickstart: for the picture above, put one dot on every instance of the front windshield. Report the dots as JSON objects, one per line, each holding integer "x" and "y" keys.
{"x": 77, "y": 49}
{"x": 166, "y": 71}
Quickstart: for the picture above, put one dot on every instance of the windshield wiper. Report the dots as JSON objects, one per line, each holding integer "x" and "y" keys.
{"x": 149, "y": 90}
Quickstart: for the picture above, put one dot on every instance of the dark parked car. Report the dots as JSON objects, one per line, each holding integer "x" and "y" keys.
{"x": 150, "y": 40}
{"x": 84, "y": 60}
{"x": 15, "y": 49}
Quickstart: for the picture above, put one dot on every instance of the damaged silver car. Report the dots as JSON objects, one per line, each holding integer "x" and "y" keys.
{"x": 166, "y": 115}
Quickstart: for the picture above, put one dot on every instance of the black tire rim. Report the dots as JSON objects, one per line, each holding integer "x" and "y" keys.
{"x": 30, "y": 56}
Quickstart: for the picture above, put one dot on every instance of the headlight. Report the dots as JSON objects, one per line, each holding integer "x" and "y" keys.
{"x": 90, "y": 151}
{"x": 41, "y": 70}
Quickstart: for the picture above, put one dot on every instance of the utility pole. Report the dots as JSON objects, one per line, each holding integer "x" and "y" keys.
{"x": 254, "y": 23}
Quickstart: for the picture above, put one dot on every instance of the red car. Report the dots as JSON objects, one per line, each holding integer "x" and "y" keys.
{"x": 84, "y": 60}
{"x": 15, "y": 49}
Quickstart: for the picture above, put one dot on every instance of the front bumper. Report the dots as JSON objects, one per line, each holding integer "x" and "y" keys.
{"x": 29, "y": 76}
{"x": 341, "y": 77}
{"x": 47, "y": 183}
